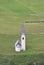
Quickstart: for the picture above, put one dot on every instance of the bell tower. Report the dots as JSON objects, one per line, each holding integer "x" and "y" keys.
{"x": 23, "y": 38}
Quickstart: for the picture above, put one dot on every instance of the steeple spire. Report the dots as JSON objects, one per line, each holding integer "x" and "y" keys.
{"x": 23, "y": 31}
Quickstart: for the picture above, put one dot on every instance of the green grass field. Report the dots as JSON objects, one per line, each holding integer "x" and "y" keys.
{"x": 12, "y": 14}
{"x": 16, "y": 11}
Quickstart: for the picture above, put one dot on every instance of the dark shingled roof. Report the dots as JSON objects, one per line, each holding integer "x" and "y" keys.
{"x": 18, "y": 44}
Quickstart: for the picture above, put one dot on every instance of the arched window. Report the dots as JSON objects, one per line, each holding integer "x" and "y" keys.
{"x": 23, "y": 38}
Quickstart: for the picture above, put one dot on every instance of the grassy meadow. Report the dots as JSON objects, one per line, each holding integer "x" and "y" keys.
{"x": 12, "y": 14}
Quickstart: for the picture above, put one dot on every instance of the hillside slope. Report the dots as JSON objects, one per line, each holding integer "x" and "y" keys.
{"x": 12, "y": 14}
{"x": 14, "y": 11}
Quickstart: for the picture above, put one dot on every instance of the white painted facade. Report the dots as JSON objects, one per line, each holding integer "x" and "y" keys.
{"x": 17, "y": 46}
{"x": 23, "y": 42}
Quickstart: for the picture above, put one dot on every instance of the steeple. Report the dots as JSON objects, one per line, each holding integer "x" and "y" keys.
{"x": 23, "y": 38}
{"x": 23, "y": 31}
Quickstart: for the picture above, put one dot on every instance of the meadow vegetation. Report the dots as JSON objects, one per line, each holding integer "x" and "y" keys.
{"x": 12, "y": 14}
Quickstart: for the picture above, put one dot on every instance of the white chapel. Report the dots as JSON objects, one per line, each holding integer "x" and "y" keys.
{"x": 21, "y": 45}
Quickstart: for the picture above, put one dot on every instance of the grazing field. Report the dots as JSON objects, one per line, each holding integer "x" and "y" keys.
{"x": 9, "y": 33}
{"x": 12, "y": 14}
{"x": 16, "y": 11}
